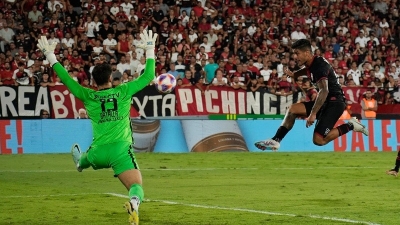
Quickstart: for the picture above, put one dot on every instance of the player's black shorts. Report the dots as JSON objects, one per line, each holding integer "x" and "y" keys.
{"x": 327, "y": 116}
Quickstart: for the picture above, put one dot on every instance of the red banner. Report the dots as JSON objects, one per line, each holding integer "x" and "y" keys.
{"x": 354, "y": 94}
{"x": 226, "y": 100}
{"x": 217, "y": 100}
{"x": 65, "y": 105}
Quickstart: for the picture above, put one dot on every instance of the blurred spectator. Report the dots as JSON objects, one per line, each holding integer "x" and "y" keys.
{"x": 347, "y": 111}
{"x": 219, "y": 79}
{"x": 115, "y": 72}
{"x": 116, "y": 81}
{"x": 245, "y": 40}
{"x": 210, "y": 69}
{"x": 82, "y": 114}
{"x": 369, "y": 106}
{"x": 6, "y": 75}
{"x": 44, "y": 114}
{"x": 22, "y": 76}
{"x": 236, "y": 84}
{"x": 6, "y": 36}
{"x": 46, "y": 80}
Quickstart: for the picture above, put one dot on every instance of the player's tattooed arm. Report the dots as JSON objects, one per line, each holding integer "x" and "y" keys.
{"x": 321, "y": 97}
{"x": 295, "y": 74}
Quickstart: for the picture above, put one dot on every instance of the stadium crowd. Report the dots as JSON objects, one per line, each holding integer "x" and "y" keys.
{"x": 242, "y": 44}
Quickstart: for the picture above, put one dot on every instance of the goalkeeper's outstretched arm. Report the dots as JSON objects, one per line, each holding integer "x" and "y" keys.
{"x": 148, "y": 44}
{"x": 48, "y": 50}
{"x": 76, "y": 89}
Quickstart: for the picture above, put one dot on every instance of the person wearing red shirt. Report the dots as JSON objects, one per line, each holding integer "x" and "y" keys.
{"x": 273, "y": 79}
{"x": 268, "y": 13}
{"x": 314, "y": 14}
{"x": 198, "y": 9}
{"x": 188, "y": 79}
{"x": 230, "y": 65}
{"x": 161, "y": 65}
{"x": 123, "y": 45}
{"x": 6, "y": 77}
{"x": 354, "y": 31}
{"x": 284, "y": 85}
{"x": 212, "y": 53}
{"x": 15, "y": 62}
{"x": 310, "y": 92}
{"x": 257, "y": 53}
{"x": 27, "y": 5}
{"x": 170, "y": 42}
{"x": 225, "y": 54}
{"x": 180, "y": 27}
{"x": 342, "y": 64}
{"x": 121, "y": 16}
{"x": 287, "y": 8}
{"x": 232, "y": 8}
{"x": 329, "y": 54}
{"x": 204, "y": 26}
{"x": 45, "y": 30}
{"x": 76, "y": 58}
{"x": 331, "y": 21}
{"x": 391, "y": 58}
{"x": 81, "y": 74}
{"x": 385, "y": 39}
{"x": 164, "y": 31}
{"x": 299, "y": 19}
{"x": 252, "y": 68}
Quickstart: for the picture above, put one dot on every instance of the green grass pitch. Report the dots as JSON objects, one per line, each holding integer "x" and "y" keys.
{"x": 206, "y": 189}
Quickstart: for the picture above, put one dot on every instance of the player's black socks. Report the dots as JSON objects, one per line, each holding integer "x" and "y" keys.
{"x": 345, "y": 128}
{"x": 396, "y": 168}
{"x": 280, "y": 134}
{"x": 351, "y": 126}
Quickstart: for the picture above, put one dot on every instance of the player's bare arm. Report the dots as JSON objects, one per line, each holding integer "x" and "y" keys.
{"x": 319, "y": 101}
{"x": 295, "y": 74}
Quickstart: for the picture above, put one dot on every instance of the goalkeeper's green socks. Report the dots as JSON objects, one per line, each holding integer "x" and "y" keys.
{"x": 136, "y": 194}
{"x": 83, "y": 161}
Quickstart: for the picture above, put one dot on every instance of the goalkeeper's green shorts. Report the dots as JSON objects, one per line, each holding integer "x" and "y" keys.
{"x": 118, "y": 155}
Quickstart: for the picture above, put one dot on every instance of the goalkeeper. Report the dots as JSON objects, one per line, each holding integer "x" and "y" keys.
{"x": 108, "y": 109}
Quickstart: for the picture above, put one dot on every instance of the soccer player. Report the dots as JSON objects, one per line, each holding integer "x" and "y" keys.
{"x": 327, "y": 108}
{"x": 395, "y": 170}
{"x": 108, "y": 109}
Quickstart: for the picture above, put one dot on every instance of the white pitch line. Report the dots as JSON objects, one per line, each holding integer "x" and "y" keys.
{"x": 203, "y": 206}
{"x": 199, "y": 169}
{"x": 253, "y": 211}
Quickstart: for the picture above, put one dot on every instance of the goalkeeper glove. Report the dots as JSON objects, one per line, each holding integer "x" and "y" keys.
{"x": 48, "y": 50}
{"x": 148, "y": 43}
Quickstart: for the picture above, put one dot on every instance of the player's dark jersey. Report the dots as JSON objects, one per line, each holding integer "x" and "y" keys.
{"x": 320, "y": 69}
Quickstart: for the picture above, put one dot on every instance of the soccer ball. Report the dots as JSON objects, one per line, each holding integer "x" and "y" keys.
{"x": 165, "y": 83}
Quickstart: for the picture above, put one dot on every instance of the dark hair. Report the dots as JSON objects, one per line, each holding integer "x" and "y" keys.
{"x": 302, "y": 44}
{"x": 42, "y": 111}
{"x": 197, "y": 67}
{"x": 101, "y": 73}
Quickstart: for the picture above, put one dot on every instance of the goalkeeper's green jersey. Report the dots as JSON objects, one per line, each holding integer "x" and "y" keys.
{"x": 108, "y": 109}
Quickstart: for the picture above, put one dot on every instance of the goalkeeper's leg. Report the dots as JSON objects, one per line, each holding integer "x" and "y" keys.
{"x": 80, "y": 159}
{"x": 127, "y": 170}
{"x": 132, "y": 180}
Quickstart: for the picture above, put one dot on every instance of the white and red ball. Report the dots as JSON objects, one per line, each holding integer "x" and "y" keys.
{"x": 165, "y": 83}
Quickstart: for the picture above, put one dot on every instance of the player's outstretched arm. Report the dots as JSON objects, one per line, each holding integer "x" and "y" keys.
{"x": 148, "y": 44}
{"x": 48, "y": 50}
{"x": 295, "y": 74}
